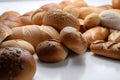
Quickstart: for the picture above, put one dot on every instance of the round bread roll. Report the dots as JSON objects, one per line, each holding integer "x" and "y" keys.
{"x": 60, "y": 19}
{"x": 64, "y": 3}
{"x": 73, "y": 39}
{"x": 16, "y": 64}
{"x": 19, "y": 44}
{"x": 51, "y": 51}
{"x": 106, "y": 49}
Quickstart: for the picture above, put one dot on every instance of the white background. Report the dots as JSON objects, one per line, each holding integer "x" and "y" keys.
{"x": 75, "y": 67}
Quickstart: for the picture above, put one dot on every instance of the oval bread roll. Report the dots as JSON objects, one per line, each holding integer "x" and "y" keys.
{"x": 73, "y": 39}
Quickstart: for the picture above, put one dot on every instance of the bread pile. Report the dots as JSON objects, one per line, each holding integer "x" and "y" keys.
{"x": 52, "y": 31}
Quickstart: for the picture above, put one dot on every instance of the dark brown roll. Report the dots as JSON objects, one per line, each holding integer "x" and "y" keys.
{"x": 16, "y": 64}
{"x": 106, "y": 49}
{"x": 51, "y": 51}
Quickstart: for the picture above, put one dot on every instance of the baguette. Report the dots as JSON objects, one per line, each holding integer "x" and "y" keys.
{"x": 107, "y": 49}
{"x": 34, "y": 34}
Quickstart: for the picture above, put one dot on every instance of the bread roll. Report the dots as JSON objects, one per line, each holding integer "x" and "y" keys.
{"x": 60, "y": 19}
{"x": 34, "y": 34}
{"x": 51, "y": 51}
{"x": 26, "y": 18}
{"x": 114, "y": 36}
{"x": 110, "y": 19}
{"x": 11, "y": 19}
{"x": 92, "y": 20}
{"x": 106, "y": 6}
{"x": 19, "y": 44}
{"x": 73, "y": 39}
{"x": 107, "y": 49}
{"x": 96, "y": 33}
{"x": 16, "y": 64}
{"x": 5, "y": 31}
{"x": 37, "y": 16}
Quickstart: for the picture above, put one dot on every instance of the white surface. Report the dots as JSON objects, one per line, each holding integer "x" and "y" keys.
{"x": 84, "y": 67}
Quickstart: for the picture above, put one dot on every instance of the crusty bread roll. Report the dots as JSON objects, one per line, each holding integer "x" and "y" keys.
{"x": 73, "y": 39}
{"x": 19, "y": 44}
{"x": 60, "y": 19}
{"x": 11, "y": 19}
{"x": 16, "y": 64}
{"x": 96, "y": 33}
{"x": 107, "y": 49}
{"x": 92, "y": 20}
{"x": 51, "y": 51}
{"x": 114, "y": 36}
{"x": 26, "y": 18}
{"x": 34, "y": 33}
{"x": 5, "y": 31}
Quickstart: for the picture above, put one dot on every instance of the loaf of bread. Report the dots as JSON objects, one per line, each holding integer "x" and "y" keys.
{"x": 34, "y": 33}
{"x": 107, "y": 49}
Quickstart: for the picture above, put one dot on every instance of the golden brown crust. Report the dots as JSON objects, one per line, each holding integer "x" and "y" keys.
{"x": 73, "y": 39}
{"x": 96, "y": 33}
{"x": 60, "y": 19}
{"x": 19, "y": 44}
{"x": 34, "y": 33}
{"x": 107, "y": 49}
{"x": 51, "y": 51}
{"x": 114, "y": 36}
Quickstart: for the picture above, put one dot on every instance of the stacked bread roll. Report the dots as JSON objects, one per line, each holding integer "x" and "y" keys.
{"x": 52, "y": 31}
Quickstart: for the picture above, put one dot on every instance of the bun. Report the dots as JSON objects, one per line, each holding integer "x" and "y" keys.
{"x": 107, "y": 49}
{"x": 16, "y": 64}
{"x": 51, "y": 51}
{"x": 34, "y": 34}
{"x": 73, "y": 39}
{"x": 11, "y": 19}
{"x": 18, "y": 44}
{"x": 95, "y": 33}
{"x": 60, "y": 19}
